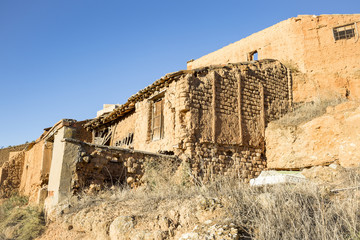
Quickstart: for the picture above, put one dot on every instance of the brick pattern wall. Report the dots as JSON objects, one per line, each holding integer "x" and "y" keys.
{"x": 200, "y": 90}
{"x": 215, "y": 118}
{"x": 220, "y": 144}
{"x": 226, "y": 109}
{"x": 306, "y": 44}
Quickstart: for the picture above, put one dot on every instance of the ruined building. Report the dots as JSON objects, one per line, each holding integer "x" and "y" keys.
{"x": 211, "y": 116}
{"x": 214, "y": 117}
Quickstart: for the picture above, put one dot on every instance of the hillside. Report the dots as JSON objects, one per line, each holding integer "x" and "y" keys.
{"x": 224, "y": 209}
{"x": 171, "y": 207}
{"x": 319, "y": 139}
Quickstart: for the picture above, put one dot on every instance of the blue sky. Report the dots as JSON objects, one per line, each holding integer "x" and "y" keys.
{"x": 65, "y": 58}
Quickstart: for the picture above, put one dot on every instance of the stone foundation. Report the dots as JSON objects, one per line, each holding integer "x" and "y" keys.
{"x": 211, "y": 160}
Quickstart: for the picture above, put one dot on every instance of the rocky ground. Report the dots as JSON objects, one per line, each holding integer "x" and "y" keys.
{"x": 315, "y": 135}
{"x": 222, "y": 210}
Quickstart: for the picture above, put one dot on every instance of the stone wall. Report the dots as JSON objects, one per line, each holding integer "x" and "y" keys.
{"x": 306, "y": 44}
{"x": 85, "y": 166}
{"x": 103, "y": 165}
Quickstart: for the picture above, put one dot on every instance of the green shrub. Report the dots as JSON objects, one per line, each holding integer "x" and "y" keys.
{"x": 23, "y": 221}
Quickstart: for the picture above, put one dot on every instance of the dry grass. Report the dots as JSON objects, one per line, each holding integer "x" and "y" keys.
{"x": 308, "y": 111}
{"x": 19, "y": 221}
{"x": 160, "y": 183}
{"x": 302, "y": 211}
{"x": 291, "y": 65}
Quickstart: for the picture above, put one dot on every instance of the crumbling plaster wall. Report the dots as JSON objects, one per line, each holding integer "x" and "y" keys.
{"x": 82, "y": 166}
{"x": 305, "y": 43}
{"x": 139, "y": 122}
{"x": 142, "y": 137}
{"x": 5, "y": 152}
{"x": 331, "y": 67}
{"x": 33, "y": 172}
{"x": 123, "y": 129}
{"x": 10, "y": 174}
{"x": 279, "y": 41}
{"x": 37, "y": 162}
{"x": 57, "y": 164}
{"x": 229, "y": 108}
{"x": 214, "y": 117}
{"x": 62, "y": 163}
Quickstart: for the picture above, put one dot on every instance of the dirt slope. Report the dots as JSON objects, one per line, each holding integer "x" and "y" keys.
{"x": 333, "y": 137}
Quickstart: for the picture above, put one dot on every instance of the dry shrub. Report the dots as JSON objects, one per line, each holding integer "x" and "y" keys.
{"x": 290, "y": 64}
{"x": 301, "y": 211}
{"x": 20, "y": 221}
{"x": 160, "y": 182}
{"x": 307, "y": 111}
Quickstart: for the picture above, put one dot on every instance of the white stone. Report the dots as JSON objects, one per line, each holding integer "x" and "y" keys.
{"x": 276, "y": 177}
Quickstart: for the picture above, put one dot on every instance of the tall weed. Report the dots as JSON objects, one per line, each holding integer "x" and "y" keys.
{"x": 20, "y": 221}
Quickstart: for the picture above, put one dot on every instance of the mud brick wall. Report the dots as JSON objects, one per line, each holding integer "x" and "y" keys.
{"x": 214, "y": 114}
{"x": 4, "y": 152}
{"x": 123, "y": 130}
{"x": 103, "y": 165}
{"x": 143, "y": 123}
{"x": 306, "y": 44}
{"x": 226, "y": 108}
{"x": 10, "y": 174}
{"x": 229, "y": 110}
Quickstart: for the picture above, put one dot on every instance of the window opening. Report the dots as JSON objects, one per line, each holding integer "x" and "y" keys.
{"x": 157, "y": 131}
{"x": 253, "y": 56}
{"x": 103, "y": 137}
{"x": 344, "y": 32}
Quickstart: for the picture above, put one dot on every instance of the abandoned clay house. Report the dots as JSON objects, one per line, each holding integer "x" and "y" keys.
{"x": 322, "y": 51}
{"x": 212, "y": 116}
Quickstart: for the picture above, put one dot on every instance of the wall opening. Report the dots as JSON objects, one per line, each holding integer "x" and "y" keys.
{"x": 157, "y": 126}
{"x": 103, "y": 136}
{"x": 344, "y": 32}
{"x": 126, "y": 141}
{"x": 253, "y": 56}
